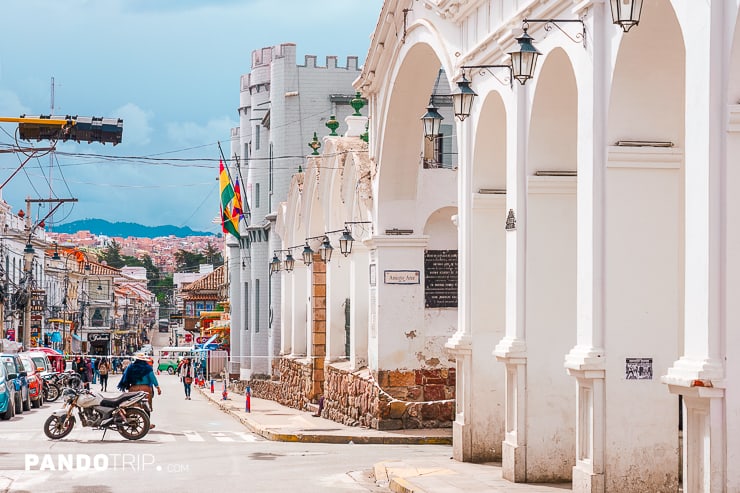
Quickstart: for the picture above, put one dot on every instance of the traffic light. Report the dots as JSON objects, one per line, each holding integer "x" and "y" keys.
{"x": 76, "y": 128}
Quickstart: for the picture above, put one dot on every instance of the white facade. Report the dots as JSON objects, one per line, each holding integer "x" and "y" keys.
{"x": 611, "y": 293}
{"x": 281, "y": 105}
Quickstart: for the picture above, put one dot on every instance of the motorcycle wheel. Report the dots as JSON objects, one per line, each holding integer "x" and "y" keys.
{"x": 136, "y": 425}
{"x": 52, "y": 393}
{"x": 56, "y": 427}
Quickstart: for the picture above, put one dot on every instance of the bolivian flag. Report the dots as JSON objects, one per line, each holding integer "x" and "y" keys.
{"x": 230, "y": 203}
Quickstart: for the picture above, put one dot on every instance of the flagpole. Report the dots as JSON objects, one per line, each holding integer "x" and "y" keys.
{"x": 242, "y": 196}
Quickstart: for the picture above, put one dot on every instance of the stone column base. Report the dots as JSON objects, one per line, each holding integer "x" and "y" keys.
{"x": 585, "y": 481}
{"x": 462, "y": 449}
{"x": 514, "y": 462}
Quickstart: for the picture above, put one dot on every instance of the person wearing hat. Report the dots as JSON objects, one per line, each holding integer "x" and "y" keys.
{"x": 140, "y": 376}
{"x": 186, "y": 373}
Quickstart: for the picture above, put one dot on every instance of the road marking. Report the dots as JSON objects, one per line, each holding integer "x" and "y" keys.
{"x": 193, "y": 436}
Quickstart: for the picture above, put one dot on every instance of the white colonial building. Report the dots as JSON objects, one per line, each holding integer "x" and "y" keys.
{"x": 597, "y": 232}
{"x": 282, "y": 107}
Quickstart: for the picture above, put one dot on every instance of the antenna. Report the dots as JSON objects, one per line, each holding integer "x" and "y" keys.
{"x": 51, "y": 154}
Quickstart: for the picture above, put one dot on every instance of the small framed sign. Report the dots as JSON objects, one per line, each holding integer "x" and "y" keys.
{"x": 638, "y": 369}
{"x": 401, "y": 277}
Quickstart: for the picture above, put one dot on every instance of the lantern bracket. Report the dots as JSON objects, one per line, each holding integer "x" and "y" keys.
{"x": 480, "y": 69}
{"x": 578, "y": 37}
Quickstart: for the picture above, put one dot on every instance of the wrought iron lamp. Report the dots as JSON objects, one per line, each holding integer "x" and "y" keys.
{"x": 626, "y": 13}
{"x": 432, "y": 121}
{"x": 326, "y": 250}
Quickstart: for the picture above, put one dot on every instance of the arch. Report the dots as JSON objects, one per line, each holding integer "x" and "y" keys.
{"x": 647, "y": 97}
{"x": 441, "y": 230}
{"x": 400, "y": 154}
{"x": 554, "y": 120}
{"x": 489, "y": 155}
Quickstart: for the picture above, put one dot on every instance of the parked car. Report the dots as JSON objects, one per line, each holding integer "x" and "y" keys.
{"x": 55, "y": 357}
{"x": 17, "y": 374}
{"x": 35, "y": 382}
{"x": 7, "y": 395}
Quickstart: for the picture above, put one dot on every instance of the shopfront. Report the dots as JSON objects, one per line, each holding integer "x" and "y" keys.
{"x": 99, "y": 343}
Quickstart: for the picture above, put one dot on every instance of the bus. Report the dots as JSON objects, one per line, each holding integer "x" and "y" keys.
{"x": 164, "y": 325}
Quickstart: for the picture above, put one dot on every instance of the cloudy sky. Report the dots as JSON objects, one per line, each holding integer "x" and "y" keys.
{"x": 170, "y": 69}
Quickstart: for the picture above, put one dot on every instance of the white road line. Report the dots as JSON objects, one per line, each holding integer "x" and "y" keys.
{"x": 193, "y": 436}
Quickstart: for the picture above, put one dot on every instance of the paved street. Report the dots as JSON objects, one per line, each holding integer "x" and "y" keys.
{"x": 194, "y": 447}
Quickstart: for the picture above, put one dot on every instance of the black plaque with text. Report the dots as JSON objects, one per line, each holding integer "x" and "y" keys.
{"x": 440, "y": 278}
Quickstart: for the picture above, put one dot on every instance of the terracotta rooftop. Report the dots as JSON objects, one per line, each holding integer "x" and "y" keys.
{"x": 210, "y": 282}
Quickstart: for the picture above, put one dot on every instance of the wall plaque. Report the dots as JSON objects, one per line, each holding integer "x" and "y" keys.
{"x": 401, "y": 277}
{"x": 638, "y": 369}
{"x": 440, "y": 278}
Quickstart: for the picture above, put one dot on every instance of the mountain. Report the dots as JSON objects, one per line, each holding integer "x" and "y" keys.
{"x": 122, "y": 229}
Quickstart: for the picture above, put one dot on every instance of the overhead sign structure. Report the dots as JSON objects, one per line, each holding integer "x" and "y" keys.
{"x": 77, "y": 128}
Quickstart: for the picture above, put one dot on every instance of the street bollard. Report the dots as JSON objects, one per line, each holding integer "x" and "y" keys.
{"x": 248, "y": 395}
{"x": 212, "y": 387}
{"x": 225, "y": 393}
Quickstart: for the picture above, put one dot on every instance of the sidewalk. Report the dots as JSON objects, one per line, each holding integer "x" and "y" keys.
{"x": 438, "y": 475}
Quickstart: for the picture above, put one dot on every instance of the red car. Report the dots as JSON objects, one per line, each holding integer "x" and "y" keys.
{"x": 35, "y": 382}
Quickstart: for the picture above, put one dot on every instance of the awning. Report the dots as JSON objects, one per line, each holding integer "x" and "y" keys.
{"x": 211, "y": 314}
{"x": 59, "y": 321}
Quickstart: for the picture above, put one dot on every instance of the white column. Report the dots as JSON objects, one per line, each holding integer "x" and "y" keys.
{"x": 359, "y": 294}
{"x": 286, "y": 312}
{"x": 337, "y": 292}
{"x": 512, "y": 350}
{"x": 235, "y": 285}
{"x": 586, "y": 360}
{"x": 702, "y": 361}
{"x": 299, "y": 315}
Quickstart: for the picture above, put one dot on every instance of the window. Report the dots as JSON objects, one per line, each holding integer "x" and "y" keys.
{"x": 256, "y": 305}
{"x": 256, "y": 198}
{"x": 198, "y": 308}
{"x": 256, "y": 137}
{"x": 245, "y": 297}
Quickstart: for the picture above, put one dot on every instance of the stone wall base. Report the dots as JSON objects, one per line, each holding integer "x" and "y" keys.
{"x": 388, "y": 400}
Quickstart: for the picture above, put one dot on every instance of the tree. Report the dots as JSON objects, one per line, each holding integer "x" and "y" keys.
{"x": 212, "y": 255}
{"x": 188, "y": 261}
{"x": 111, "y": 255}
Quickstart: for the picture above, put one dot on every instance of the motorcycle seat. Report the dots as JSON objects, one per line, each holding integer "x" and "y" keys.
{"x": 115, "y": 401}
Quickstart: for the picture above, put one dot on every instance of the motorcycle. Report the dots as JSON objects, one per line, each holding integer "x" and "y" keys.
{"x": 52, "y": 387}
{"x": 127, "y": 413}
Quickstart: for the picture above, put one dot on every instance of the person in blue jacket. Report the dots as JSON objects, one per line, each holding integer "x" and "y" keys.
{"x": 139, "y": 375}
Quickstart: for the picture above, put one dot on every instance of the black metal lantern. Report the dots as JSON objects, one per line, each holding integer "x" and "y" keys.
{"x": 289, "y": 262}
{"x": 307, "y": 255}
{"x": 275, "y": 264}
{"x": 626, "y": 13}
{"x": 28, "y": 254}
{"x": 56, "y": 252}
{"x": 524, "y": 61}
{"x": 345, "y": 242}
{"x": 432, "y": 120}
{"x": 326, "y": 250}
{"x": 462, "y": 99}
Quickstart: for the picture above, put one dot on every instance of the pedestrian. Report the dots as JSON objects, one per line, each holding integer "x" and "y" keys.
{"x": 103, "y": 369}
{"x": 124, "y": 363}
{"x": 187, "y": 372}
{"x": 89, "y": 372}
{"x": 116, "y": 364}
{"x": 80, "y": 368}
{"x": 139, "y": 376}
{"x": 96, "y": 374}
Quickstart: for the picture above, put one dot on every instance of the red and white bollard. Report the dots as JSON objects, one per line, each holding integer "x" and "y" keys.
{"x": 213, "y": 388}
{"x": 248, "y": 397}
{"x": 225, "y": 393}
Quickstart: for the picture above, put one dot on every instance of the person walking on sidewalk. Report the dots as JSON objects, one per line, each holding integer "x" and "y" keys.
{"x": 186, "y": 376}
{"x": 103, "y": 369}
{"x": 139, "y": 376}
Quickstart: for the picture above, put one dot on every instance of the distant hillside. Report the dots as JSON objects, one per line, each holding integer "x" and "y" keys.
{"x": 103, "y": 227}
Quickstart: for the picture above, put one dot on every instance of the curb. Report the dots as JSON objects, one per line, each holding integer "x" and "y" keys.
{"x": 332, "y": 439}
